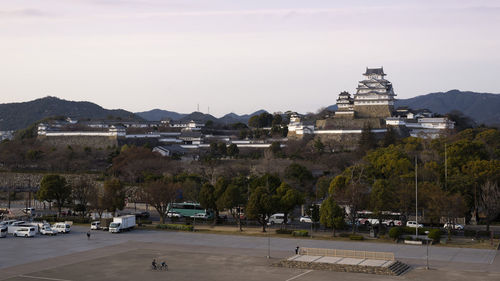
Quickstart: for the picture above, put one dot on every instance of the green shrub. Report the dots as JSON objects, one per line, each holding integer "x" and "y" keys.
{"x": 182, "y": 227}
{"x": 284, "y": 231}
{"x": 143, "y": 221}
{"x": 300, "y": 233}
{"x": 435, "y": 234}
{"x": 396, "y": 232}
{"x": 356, "y": 237}
{"x": 344, "y": 234}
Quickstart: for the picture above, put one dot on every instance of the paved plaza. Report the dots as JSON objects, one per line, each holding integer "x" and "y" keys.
{"x": 195, "y": 256}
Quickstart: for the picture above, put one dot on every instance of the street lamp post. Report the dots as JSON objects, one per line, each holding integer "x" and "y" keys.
{"x": 427, "y": 255}
{"x": 312, "y": 222}
{"x": 268, "y": 245}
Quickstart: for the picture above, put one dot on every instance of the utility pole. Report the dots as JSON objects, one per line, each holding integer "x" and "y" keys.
{"x": 416, "y": 199}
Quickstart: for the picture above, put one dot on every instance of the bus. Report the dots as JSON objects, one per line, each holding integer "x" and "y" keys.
{"x": 388, "y": 218}
{"x": 188, "y": 209}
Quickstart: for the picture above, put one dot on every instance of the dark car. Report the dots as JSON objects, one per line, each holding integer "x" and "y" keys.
{"x": 142, "y": 215}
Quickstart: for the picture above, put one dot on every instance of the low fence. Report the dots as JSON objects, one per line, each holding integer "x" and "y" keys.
{"x": 347, "y": 254}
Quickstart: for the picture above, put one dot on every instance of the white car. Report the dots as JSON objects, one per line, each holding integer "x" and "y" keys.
{"x": 62, "y": 227}
{"x": 47, "y": 230}
{"x": 203, "y": 216}
{"x": 174, "y": 215}
{"x": 455, "y": 226}
{"x": 414, "y": 224}
{"x": 306, "y": 219}
{"x": 25, "y": 232}
{"x": 95, "y": 225}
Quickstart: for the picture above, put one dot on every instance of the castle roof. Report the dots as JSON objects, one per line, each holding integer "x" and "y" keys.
{"x": 378, "y": 71}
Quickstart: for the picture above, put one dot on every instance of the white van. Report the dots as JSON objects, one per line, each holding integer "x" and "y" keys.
{"x": 62, "y": 227}
{"x": 278, "y": 218}
{"x": 25, "y": 232}
{"x": 95, "y": 225}
{"x": 3, "y": 231}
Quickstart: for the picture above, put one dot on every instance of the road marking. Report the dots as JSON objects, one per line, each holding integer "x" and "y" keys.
{"x": 295, "y": 277}
{"x": 44, "y": 278}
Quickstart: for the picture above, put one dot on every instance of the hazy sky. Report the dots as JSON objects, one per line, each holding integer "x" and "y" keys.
{"x": 240, "y": 56}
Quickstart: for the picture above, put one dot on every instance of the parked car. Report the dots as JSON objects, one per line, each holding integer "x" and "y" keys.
{"x": 278, "y": 218}
{"x": 29, "y": 211}
{"x": 174, "y": 215}
{"x": 62, "y": 227}
{"x": 414, "y": 224}
{"x": 455, "y": 226}
{"x": 142, "y": 215}
{"x": 95, "y": 225}
{"x": 25, "y": 232}
{"x": 203, "y": 216}
{"x": 47, "y": 230}
{"x": 306, "y": 219}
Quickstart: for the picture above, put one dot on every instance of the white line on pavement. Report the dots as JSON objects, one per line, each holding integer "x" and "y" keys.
{"x": 295, "y": 277}
{"x": 43, "y": 278}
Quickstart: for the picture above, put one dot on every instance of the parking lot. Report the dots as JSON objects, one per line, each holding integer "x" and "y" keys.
{"x": 192, "y": 256}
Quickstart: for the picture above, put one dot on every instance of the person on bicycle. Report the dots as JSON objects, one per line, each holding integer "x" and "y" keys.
{"x": 153, "y": 264}
{"x": 163, "y": 264}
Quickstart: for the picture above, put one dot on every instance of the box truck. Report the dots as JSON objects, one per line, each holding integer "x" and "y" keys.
{"x": 122, "y": 223}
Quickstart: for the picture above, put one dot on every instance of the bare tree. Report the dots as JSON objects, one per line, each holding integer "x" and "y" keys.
{"x": 160, "y": 194}
{"x": 490, "y": 201}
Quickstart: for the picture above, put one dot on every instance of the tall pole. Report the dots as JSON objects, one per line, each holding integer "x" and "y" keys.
{"x": 268, "y": 245}
{"x": 416, "y": 199}
{"x": 445, "y": 169}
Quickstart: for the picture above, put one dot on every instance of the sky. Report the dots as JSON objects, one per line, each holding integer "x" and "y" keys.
{"x": 241, "y": 56}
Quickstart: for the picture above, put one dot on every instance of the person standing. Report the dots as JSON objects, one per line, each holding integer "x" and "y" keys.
{"x": 88, "y": 235}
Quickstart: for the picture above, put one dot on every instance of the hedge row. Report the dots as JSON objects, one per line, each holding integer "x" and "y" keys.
{"x": 300, "y": 233}
{"x": 182, "y": 227}
{"x": 356, "y": 237}
{"x": 284, "y": 231}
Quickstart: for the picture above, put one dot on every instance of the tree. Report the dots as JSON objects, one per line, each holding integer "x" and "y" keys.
{"x": 232, "y": 150}
{"x": 331, "y": 215}
{"x": 159, "y": 194}
{"x": 490, "y": 201}
{"x": 207, "y": 198}
{"x": 299, "y": 175}
{"x": 349, "y": 189}
{"x": 382, "y": 198}
{"x": 96, "y": 201}
{"x": 367, "y": 140}
{"x": 53, "y": 188}
{"x": 288, "y": 198}
{"x": 322, "y": 185}
{"x": 260, "y": 206}
{"x": 232, "y": 199}
{"x": 319, "y": 146}
{"x": 114, "y": 195}
{"x": 222, "y": 149}
{"x": 82, "y": 190}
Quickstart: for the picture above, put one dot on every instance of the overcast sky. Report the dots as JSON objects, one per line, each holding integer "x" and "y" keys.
{"x": 241, "y": 56}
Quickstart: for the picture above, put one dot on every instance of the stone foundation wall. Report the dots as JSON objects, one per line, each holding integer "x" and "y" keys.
{"x": 31, "y": 181}
{"x": 335, "y": 267}
{"x": 352, "y": 124}
{"x": 368, "y": 111}
{"x": 90, "y": 141}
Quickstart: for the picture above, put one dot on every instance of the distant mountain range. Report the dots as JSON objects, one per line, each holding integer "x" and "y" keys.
{"x": 483, "y": 108}
{"x": 230, "y": 118}
{"x": 14, "y": 116}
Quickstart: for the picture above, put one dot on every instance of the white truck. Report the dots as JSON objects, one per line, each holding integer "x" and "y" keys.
{"x": 122, "y": 223}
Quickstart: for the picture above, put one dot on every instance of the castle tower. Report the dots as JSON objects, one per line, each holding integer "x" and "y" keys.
{"x": 345, "y": 106}
{"x": 374, "y": 97}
